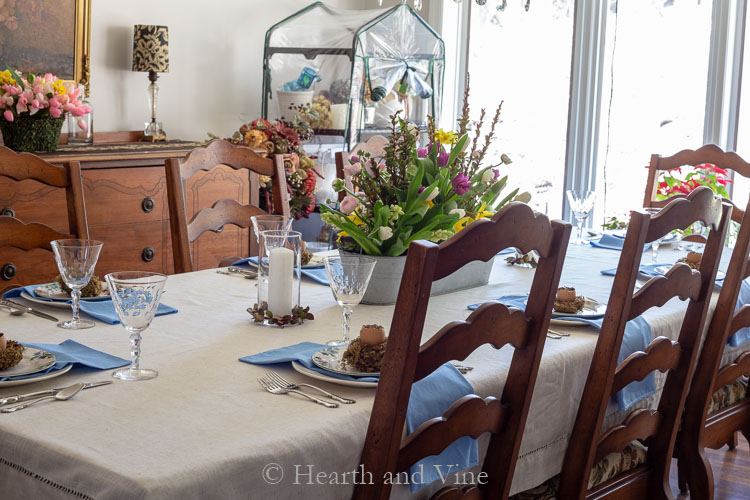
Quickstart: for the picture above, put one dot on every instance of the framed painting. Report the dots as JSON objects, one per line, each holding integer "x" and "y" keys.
{"x": 47, "y": 36}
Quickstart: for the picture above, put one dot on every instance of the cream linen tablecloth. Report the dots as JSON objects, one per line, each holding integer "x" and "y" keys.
{"x": 205, "y": 429}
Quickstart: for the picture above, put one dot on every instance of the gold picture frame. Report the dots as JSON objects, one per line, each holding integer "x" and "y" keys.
{"x": 28, "y": 31}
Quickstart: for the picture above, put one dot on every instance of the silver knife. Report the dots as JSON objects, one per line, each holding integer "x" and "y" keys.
{"x": 49, "y": 392}
{"x": 29, "y": 310}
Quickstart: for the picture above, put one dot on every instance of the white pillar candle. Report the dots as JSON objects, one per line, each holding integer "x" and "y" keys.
{"x": 280, "y": 280}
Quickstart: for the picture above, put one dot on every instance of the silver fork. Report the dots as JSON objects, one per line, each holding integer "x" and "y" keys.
{"x": 274, "y": 388}
{"x": 289, "y": 385}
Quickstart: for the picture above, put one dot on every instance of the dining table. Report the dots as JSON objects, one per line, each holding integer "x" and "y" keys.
{"x": 205, "y": 428}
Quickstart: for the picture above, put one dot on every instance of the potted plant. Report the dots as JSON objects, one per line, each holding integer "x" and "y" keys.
{"x": 33, "y": 109}
{"x": 411, "y": 193}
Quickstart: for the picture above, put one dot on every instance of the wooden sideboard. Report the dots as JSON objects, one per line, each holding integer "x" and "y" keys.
{"x": 126, "y": 204}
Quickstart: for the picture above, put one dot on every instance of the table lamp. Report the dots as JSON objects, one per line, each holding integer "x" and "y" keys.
{"x": 151, "y": 53}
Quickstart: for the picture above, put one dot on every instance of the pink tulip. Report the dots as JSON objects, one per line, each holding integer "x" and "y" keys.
{"x": 82, "y": 124}
{"x": 69, "y": 107}
{"x": 8, "y": 114}
{"x": 54, "y": 112}
{"x": 352, "y": 169}
{"x": 78, "y": 111}
{"x": 349, "y": 204}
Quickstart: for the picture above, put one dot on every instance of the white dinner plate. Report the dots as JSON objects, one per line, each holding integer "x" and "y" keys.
{"x": 325, "y": 378}
{"x": 34, "y": 360}
{"x": 331, "y": 359}
{"x": 720, "y": 275}
{"x": 31, "y": 380}
{"x": 592, "y": 309}
{"x": 54, "y": 291}
{"x": 50, "y": 303}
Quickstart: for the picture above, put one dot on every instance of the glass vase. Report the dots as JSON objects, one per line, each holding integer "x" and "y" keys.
{"x": 279, "y": 272}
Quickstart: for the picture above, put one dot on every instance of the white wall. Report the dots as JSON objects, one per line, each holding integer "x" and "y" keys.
{"x": 215, "y": 62}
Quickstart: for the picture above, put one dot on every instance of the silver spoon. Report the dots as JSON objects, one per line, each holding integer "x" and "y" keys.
{"x": 16, "y": 312}
{"x": 63, "y": 395}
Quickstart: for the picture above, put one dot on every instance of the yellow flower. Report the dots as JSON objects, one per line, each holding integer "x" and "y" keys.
{"x": 355, "y": 219}
{"x": 59, "y": 87}
{"x": 341, "y": 235}
{"x": 6, "y": 78}
{"x": 445, "y": 137}
{"x": 428, "y": 203}
{"x": 481, "y": 214}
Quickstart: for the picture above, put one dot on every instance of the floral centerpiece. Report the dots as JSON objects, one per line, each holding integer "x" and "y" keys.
{"x": 34, "y": 107}
{"x": 413, "y": 192}
{"x": 705, "y": 174}
{"x": 285, "y": 137}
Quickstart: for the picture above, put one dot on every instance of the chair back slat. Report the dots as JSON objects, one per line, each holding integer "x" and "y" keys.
{"x": 733, "y": 371}
{"x": 662, "y": 354}
{"x": 641, "y": 424}
{"x": 469, "y": 416}
{"x": 740, "y": 319}
{"x": 224, "y": 211}
{"x": 490, "y": 323}
{"x": 486, "y": 237}
{"x": 22, "y": 166}
{"x": 710, "y": 153}
{"x": 17, "y": 234}
{"x": 680, "y": 281}
{"x": 684, "y": 212}
{"x": 405, "y": 362}
{"x": 604, "y": 379}
{"x": 218, "y": 152}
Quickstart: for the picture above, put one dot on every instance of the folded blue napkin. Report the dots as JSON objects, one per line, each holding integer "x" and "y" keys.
{"x": 613, "y": 242}
{"x": 430, "y": 398}
{"x": 645, "y": 269}
{"x": 742, "y": 335}
{"x": 637, "y": 337}
{"x": 302, "y": 354}
{"x": 71, "y": 352}
{"x": 103, "y": 310}
{"x": 316, "y": 273}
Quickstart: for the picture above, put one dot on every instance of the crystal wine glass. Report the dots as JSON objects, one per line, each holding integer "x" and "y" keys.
{"x": 136, "y": 296}
{"x": 657, "y": 242}
{"x": 348, "y": 277}
{"x": 581, "y": 204}
{"x": 76, "y": 260}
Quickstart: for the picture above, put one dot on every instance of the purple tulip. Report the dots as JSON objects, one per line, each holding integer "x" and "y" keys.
{"x": 443, "y": 158}
{"x": 461, "y": 183}
{"x": 354, "y": 159}
{"x": 497, "y": 174}
{"x": 421, "y": 188}
{"x": 422, "y": 153}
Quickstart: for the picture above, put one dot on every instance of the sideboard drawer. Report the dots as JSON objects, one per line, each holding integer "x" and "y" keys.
{"x": 125, "y": 195}
{"x": 18, "y": 267}
{"x": 132, "y": 247}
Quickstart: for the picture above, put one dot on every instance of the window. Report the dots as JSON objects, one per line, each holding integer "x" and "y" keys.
{"x": 523, "y": 58}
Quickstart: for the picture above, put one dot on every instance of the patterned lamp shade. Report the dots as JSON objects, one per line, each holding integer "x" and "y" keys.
{"x": 150, "y": 48}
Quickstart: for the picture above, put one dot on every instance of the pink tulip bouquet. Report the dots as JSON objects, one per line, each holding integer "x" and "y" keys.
{"x": 414, "y": 192}
{"x": 39, "y": 96}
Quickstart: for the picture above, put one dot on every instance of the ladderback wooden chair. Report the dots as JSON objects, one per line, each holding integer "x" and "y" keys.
{"x": 405, "y": 362}
{"x": 717, "y": 406}
{"x": 224, "y": 211}
{"x": 710, "y": 154}
{"x": 648, "y": 474}
{"x": 25, "y": 252}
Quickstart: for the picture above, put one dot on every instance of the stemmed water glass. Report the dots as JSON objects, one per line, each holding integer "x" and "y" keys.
{"x": 136, "y": 296}
{"x": 270, "y": 223}
{"x": 348, "y": 277}
{"x": 581, "y": 204}
{"x": 657, "y": 242}
{"x": 76, "y": 260}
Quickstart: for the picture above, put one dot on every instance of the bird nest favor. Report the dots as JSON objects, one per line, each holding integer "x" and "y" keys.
{"x": 11, "y": 355}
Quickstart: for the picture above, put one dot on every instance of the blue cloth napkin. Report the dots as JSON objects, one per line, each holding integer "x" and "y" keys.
{"x": 637, "y": 337}
{"x": 316, "y": 273}
{"x": 742, "y": 335}
{"x": 613, "y": 242}
{"x": 71, "y": 352}
{"x": 302, "y": 354}
{"x": 103, "y": 310}
{"x": 645, "y": 269}
{"x": 431, "y": 397}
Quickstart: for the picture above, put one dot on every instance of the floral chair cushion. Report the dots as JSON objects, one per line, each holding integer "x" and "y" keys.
{"x": 610, "y": 466}
{"x": 728, "y": 395}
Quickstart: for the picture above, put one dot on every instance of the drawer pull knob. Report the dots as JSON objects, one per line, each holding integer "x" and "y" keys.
{"x": 8, "y": 211}
{"x": 147, "y": 204}
{"x": 8, "y": 271}
{"x": 148, "y": 254}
